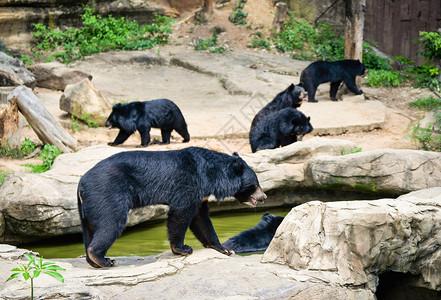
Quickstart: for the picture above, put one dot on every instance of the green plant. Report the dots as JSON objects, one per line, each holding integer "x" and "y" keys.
{"x": 428, "y": 103}
{"x": 34, "y": 268}
{"x": 238, "y": 17}
{"x": 48, "y": 155}
{"x": 100, "y": 34}
{"x": 425, "y": 136}
{"x": 27, "y": 147}
{"x": 89, "y": 124}
{"x": 424, "y": 75}
{"x": 297, "y": 34}
{"x": 373, "y": 61}
{"x": 377, "y": 78}
{"x": 210, "y": 44}
{"x": 354, "y": 150}
{"x": 431, "y": 42}
{"x": 261, "y": 43}
{"x": 75, "y": 124}
{"x": 3, "y": 175}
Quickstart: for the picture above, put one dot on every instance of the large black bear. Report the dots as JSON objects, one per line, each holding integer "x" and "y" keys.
{"x": 293, "y": 96}
{"x": 141, "y": 116}
{"x": 334, "y": 72}
{"x": 281, "y": 128}
{"x": 181, "y": 179}
{"x": 257, "y": 238}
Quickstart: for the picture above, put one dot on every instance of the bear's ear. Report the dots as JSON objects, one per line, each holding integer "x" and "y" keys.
{"x": 300, "y": 84}
{"x": 238, "y": 166}
{"x": 309, "y": 118}
{"x": 235, "y": 154}
{"x": 291, "y": 87}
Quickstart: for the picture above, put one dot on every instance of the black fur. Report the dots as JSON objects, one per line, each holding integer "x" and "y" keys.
{"x": 180, "y": 179}
{"x": 281, "y": 128}
{"x": 141, "y": 116}
{"x": 257, "y": 238}
{"x": 334, "y": 72}
{"x": 293, "y": 96}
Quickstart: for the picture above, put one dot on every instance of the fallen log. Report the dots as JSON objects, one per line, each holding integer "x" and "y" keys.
{"x": 48, "y": 130}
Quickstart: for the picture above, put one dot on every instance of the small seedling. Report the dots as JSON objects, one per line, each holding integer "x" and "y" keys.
{"x": 34, "y": 268}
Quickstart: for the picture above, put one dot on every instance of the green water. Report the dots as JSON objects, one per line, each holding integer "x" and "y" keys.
{"x": 150, "y": 239}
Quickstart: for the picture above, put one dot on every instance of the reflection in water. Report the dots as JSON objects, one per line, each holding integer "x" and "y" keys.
{"x": 150, "y": 239}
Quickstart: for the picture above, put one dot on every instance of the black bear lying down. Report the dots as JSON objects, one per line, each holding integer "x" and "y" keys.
{"x": 281, "y": 128}
{"x": 334, "y": 72}
{"x": 141, "y": 116}
{"x": 257, "y": 238}
{"x": 293, "y": 96}
{"x": 181, "y": 179}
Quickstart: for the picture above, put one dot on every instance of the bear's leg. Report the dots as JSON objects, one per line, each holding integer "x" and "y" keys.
{"x": 145, "y": 137}
{"x": 334, "y": 89}
{"x": 103, "y": 238}
{"x": 177, "y": 224}
{"x": 311, "y": 88}
{"x": 352, "y": 86}
{"x": 203, "y": 229}
{"x": 182, "y": 130}
{"x": 120, "y": 138}
{"x": 166, "y": 133}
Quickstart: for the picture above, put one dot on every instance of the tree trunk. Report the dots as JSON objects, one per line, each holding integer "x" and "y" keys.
{"x": 355, "y": 11}
{"x": 205, "y": 14}
{"x": 48, "y": 130}
{"x": 280, "y": 17}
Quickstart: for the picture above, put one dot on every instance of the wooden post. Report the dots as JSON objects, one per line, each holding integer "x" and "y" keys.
{"x": 354, "y": 27}
{"x": 280, "y": 17}
{"x": 205, "y": 14}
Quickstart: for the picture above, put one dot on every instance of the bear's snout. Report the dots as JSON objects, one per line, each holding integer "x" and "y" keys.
{"x": 258, "y": 195}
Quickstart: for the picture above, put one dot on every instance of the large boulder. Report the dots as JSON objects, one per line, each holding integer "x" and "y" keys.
{"x": 360, "y": 240}
{"x": 388, "y": 171}
{"x": 85, "y": 102}
{"x": 55, "y": 75}
{"x": 14, "y": 73}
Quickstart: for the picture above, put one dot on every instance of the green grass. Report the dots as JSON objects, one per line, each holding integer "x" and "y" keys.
{"x": 428, "y": 103}
{"x": 48, "y": 155}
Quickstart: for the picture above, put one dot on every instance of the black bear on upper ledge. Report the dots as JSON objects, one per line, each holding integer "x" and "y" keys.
{"x": 334, "y": 72}
{"x": 181, "y": 179}
{"x": 281, "y": 128}
{"x": 292, "y": 96}
{"x": 142, "y": 116}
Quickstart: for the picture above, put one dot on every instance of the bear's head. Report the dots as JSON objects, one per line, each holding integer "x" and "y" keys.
{"x": 297, "y": 95}
{"x": 302, "y": 126}
{"x": 122, "y": 117}
{"x": 249, "y": 191}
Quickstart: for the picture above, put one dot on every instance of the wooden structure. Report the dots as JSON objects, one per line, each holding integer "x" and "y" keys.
{"x": 395, "y": 25}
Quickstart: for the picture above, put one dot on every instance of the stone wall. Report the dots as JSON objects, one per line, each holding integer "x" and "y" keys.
{"x": 17, "y": 17}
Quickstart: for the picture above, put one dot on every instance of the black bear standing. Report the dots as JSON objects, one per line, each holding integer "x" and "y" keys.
{"x": 334, "y": 72}
{"x": 281, "y": 128}
{"x": 141, "y": 116}
{"x": 293, "y": 96}
{"x": 181, "y": 179}
{"x": 257, "y": 238}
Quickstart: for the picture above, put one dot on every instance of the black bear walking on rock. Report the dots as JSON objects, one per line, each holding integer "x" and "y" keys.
{"x": 281, "y": 128}
{"x": 334, "y": 72}
{"x": 257, "y": 238}
{"x": 142, "y": 116}
{"x": 181, "y": 179}
{"x": 293, "y": 96}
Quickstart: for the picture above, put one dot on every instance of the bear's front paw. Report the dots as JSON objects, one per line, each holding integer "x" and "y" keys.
{"x": 111, "y": 144}
{"x": 184, "y": 250}
{"x": 361, "y": 92}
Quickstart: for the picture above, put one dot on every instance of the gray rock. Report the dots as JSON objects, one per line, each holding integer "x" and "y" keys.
{"x": 388, "y": 171}
{"x": 55, "y": 75}
{"x": 85, "y": 102}
{"x": 361, "y": 239}
{"x": 14, "y": 73}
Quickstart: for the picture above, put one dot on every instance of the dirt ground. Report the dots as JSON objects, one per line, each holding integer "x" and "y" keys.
{"x": 394, "y": 134}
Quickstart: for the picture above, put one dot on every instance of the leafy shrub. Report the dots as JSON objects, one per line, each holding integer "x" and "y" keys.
{"x": 26, "y": 148}
{"x": 372, "y": 61}
{"x": 210, "y": 44}
{"x": 260, "y": 43}
{"x": 424, "y": 75}
{"x": 100, "y": 34}
{"x": 377, "y": 78}
{"x": 431, "y": 42}
{"x": 297, "y": 34}
{"x": 428, "y": 103}
{"x": 238, "y": 17}
{"x": 48, "y": 155}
